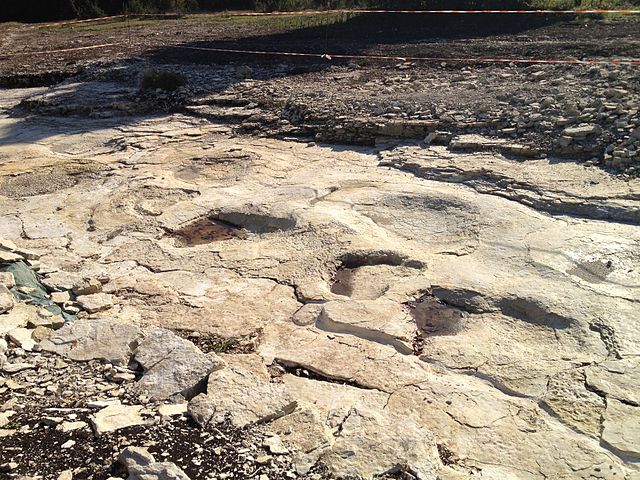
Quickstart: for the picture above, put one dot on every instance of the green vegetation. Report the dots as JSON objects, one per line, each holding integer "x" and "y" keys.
{"x": 43, "y": 10}
{"x": 584, "y": 4}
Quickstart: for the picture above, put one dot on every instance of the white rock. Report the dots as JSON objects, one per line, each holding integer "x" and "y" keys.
{"x": 7, "y": 300}
{"x": 7, "y": 245}
{"x": 99, "y": 404}
{"x": 60, "y": 297}
{"x": 16, "y": 367}
{"x": 45, "y": 318}
{"x": 9, "y": 257}
{"x": 582, "y": 131}
{"x": 275, "y": 445}
{"x": 19, "y": 316}
{"x": 115, "y": 417}
{"x": 172, "y": 409}
{"x": 4, "y": 419}
{"x": 66, "y": 475}
{"x": 141, "y": 465}
{"x": 22, "y": 338}
{"x": 71, "y": 426}
{"x": 96, "y": 302}
{"x": 621, "y": 428}
{"x": 87, "y": 286}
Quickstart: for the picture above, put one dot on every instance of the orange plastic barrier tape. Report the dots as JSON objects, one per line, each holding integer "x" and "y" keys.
{"x": 431, "y": 12}
{"x": 329, "y": 56}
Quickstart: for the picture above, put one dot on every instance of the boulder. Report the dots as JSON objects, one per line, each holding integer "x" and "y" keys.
{"x": 173, "y": 366}
{"x": 115, "y": 417}
{"x": 141, "y": 465}
{"x": 243, "y": 393}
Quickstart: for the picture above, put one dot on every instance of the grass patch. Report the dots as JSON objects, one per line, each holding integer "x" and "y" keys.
{"x": 283, "y": 22}
{"x": 271, "y": 23}
{"x": 584, "y": 4}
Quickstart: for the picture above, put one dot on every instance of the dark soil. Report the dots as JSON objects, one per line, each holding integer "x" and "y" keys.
{"x": 198, "y": 453}
{"x": 205, "y": 231}
{"x": 530, "y": 36}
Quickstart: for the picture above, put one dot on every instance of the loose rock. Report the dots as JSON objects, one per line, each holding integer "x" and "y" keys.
{"x": 173, "y": 366}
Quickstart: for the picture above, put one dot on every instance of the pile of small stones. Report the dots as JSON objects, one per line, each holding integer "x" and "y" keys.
{"x": 540, "y": 106}
{"x": 579, "y": 112}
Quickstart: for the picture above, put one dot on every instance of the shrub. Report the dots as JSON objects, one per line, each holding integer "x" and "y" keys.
{"x": 86, "y": 9}
{"x": 153, "y": 79}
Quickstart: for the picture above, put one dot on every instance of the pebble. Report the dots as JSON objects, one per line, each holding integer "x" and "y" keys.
{"x": 71, "y": 426}
{"x": 275, "y": 445}
{"x": 68, "y": 444}
{"x": 87, "y": 286}
{"x": 66, "y": 475}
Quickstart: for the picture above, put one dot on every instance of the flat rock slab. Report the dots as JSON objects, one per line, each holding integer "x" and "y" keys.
{"x": 22, "y": 338}
{"x": 115, "y": 417}
{"x": 619, "y": 379}
{"x": 94, "y": 339}
{"x": 621, "y": 428}
{"x": 96, "y": 302}
{"x": 373, "y": 442}
{"x": 172, "y": 365}
{"x": 19, "y": 316}
{"x": 381, "y": 322}
{"x": 242, "y": 393}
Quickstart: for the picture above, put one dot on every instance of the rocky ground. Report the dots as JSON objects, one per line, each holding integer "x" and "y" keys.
{"x": 369, "y": 275}
{"x": 582, "y": 112}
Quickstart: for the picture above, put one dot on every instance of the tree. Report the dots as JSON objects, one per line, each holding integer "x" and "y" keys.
{"x": 86, "y": 9}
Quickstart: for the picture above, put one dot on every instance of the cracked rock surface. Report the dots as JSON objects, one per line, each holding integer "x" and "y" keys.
{"x": 419, "y": 310}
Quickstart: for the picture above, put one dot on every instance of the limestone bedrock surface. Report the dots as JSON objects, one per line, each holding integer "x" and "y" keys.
{"x": 411, "y": 310}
